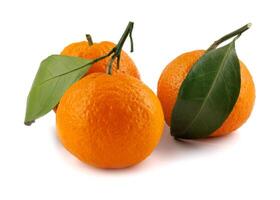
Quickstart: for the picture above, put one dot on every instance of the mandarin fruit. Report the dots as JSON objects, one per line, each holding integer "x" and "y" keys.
{"x": 176, "y": 71}
{"x": 109, "y": 121}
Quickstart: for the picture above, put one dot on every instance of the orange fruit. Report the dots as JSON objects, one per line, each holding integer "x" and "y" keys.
{"x": 85, "y": 50}
{"x": 176, "y": 71}
{"x": 109, "y": 121}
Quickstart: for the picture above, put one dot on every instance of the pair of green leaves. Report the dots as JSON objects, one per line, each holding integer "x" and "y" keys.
{"x": 206, "y": 97}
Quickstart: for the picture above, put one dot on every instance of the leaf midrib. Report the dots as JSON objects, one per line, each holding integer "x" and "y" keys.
{"x": 212, "y": 87}
{"x": 62, "y": 74}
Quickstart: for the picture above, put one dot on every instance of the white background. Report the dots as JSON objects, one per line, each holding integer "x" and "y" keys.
{"x": 34, "y": 165}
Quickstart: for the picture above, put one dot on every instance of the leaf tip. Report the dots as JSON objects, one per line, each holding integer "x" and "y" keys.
{"x": 28, "y": 123}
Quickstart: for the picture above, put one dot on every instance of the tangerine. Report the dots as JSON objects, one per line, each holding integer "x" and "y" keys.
{"x": 175, "y": 72}
{"x": 109, "y": 121}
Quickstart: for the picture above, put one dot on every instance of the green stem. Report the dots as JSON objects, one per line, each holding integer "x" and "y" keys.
{"x": 118, "y": 48}
{"x": 115, "y": 53}
{"x": 237, "y": 32}
{"x": 89, "y": 39}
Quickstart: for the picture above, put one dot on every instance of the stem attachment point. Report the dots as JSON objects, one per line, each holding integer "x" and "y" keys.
{"x": 89, "y": 39}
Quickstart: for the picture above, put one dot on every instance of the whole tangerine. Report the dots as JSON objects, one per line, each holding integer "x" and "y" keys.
{"x": 109, "y": 121}
{"x": 175, "y": 72}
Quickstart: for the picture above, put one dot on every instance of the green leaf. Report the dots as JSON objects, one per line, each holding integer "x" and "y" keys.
{"x": 207, "y": 95}
{"x": 55, "y": 75}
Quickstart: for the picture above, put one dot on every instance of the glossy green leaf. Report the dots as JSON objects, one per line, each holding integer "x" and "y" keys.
{"x": 55, "y": 75}
{"x": 207, "y": 95}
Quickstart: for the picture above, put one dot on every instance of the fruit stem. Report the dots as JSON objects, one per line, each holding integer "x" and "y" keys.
{"x": 116, "y": 51}
{"x": 237, "y": 32}
{"x": 89, "y": 39}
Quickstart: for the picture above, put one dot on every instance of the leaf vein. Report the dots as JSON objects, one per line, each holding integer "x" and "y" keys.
{"x": 209, "y": 92}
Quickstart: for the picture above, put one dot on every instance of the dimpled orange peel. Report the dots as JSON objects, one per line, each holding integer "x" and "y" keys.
{"x": 109, "y": 121}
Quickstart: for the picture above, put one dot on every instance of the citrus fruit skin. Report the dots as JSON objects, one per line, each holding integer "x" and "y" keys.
{"x": 84, "y": 50}
{"x": 175, "y": 72}
{"x": 243, "y": 106}
{"x": 109, "y": 121}
{"x": 75, "y": 49}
